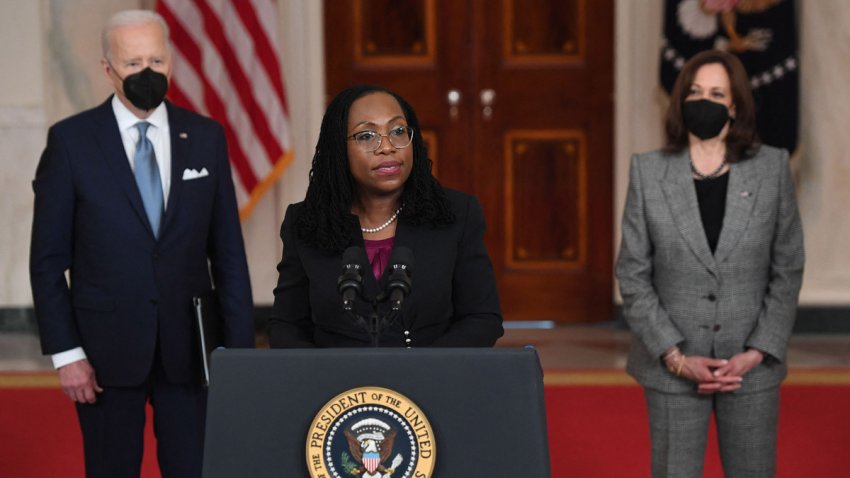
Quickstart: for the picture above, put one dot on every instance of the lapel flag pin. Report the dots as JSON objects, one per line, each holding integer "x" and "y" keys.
{"x": 745, "y": 194}
{"x": 184, "y": 135}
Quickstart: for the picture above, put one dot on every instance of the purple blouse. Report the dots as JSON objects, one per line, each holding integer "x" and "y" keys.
{"x": 379, "y": 254}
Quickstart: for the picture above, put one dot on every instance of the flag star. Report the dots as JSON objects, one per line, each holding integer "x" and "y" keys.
{"x": 669, "y": 54}
{"x": 679, "y": 63}
{"x": 755, "y": 83}
{"x": 778, "y": 71}
{"x": 766, "y": 79}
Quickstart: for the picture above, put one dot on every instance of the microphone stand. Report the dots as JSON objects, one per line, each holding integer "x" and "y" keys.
{"x": 374, "y": 323}
{"x": 396, "y": 290}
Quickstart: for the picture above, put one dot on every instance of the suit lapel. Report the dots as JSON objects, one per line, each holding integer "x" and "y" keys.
{"x": 179, "y": 152}
{"x": 109, "y": 138}
{"x": 681, "y": 196}
{"x": 740, "y": 197}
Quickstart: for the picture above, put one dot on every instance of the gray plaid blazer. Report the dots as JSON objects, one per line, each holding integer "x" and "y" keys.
{"x": 676, "y": 292}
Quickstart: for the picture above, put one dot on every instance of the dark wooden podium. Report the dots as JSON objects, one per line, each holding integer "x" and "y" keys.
{"x": 486, "y": 407}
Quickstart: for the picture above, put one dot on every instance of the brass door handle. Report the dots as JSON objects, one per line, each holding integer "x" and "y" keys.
{"x": 453, "y": 97}
{"x": 488, "y": 98}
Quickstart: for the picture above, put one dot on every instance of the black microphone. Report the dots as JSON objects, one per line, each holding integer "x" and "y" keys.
{"x": 350, "y": 282}
{"x": 398, "y": 287}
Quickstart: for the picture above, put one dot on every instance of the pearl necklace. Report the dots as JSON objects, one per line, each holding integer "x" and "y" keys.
{"x": 710, "y": 175}
{"x": 372, "y": 230}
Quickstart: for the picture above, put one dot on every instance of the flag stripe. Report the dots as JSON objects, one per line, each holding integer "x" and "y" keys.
{"x": 266, "y": 17}
{"x": 265, "y": 51}
{"x": 267, "y": 57}
{"x": 212, "y": 102}
{"x": 212, "y": 70}
{"x": 225, "y": 64}
{"x": 215, "y": 32}
{"x": 248, "y": 54}
{"x": 190, "y": 83}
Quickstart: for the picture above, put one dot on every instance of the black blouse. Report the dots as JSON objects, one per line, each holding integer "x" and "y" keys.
{"x": 711, "y": 195}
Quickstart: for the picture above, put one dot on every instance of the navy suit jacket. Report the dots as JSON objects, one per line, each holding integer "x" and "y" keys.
{"x": 130, "y": 292}
{"x": 453, "y": 300}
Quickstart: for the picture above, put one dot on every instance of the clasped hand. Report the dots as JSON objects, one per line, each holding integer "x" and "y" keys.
{"x": 714, "y": 375}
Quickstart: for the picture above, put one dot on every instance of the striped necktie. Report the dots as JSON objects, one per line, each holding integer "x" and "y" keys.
{"x": 147, "y": 177}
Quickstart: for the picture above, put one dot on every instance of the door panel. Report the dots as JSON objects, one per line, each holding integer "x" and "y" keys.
{"x": 549, "y": 203}
{"x": 545, "y": 190}
{"x": 541, "y": 31}
{"x": 514, "y": 98}
{"x": 392, "y": 34}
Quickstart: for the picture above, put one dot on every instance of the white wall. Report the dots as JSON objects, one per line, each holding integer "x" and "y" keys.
{"x": 824, "y": 169}
{"x": 21, "y": 135}
{"x": 303, "y": 66}
{"x": 50, "y": 70}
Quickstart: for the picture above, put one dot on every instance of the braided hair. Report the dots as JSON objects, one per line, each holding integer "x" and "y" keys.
{"x": 325, "y": 216}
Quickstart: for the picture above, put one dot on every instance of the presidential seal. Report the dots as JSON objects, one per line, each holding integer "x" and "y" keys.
{"x": 370, "y": 432}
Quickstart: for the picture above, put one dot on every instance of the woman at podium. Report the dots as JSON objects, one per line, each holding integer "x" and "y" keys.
{"x": 379, "y": 253}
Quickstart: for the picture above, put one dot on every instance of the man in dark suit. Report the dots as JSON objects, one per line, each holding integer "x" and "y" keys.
{"x": 134, "y": 198}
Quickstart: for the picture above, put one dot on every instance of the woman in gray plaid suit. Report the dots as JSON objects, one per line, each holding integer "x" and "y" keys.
{"x": 710, "y": 267}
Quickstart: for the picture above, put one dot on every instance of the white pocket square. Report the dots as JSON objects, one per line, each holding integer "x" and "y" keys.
{"x": 194, "y": 174}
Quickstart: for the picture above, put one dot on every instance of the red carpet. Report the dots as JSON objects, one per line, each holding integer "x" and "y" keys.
{"x": 595, "y": 431}
{"x": 40, "y": 436}
{"x": 602, "y": 432}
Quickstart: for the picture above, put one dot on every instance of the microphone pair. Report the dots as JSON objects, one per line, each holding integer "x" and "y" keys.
{"x": 350, "y": 282}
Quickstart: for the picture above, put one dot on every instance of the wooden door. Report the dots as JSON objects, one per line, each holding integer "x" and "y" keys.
{"x": 515, "y": 101}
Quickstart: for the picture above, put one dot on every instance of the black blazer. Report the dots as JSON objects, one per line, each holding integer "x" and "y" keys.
{"x": 131, "y": 292}
{"x": 453, "y": 300}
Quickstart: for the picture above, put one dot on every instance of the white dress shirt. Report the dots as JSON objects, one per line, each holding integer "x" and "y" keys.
{"x": 160, "y": 136}
{"x": 158, "y": 133}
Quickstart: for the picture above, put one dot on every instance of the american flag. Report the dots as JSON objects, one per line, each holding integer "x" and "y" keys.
{"x": 225, "y": 65}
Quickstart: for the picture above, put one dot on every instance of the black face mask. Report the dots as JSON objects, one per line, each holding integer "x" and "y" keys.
{"x": 145, "y": 89}
{"x": 704, "y": 118}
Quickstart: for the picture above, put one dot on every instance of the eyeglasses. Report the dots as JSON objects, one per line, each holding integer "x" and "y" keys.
{"x": 368, "y": 140}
